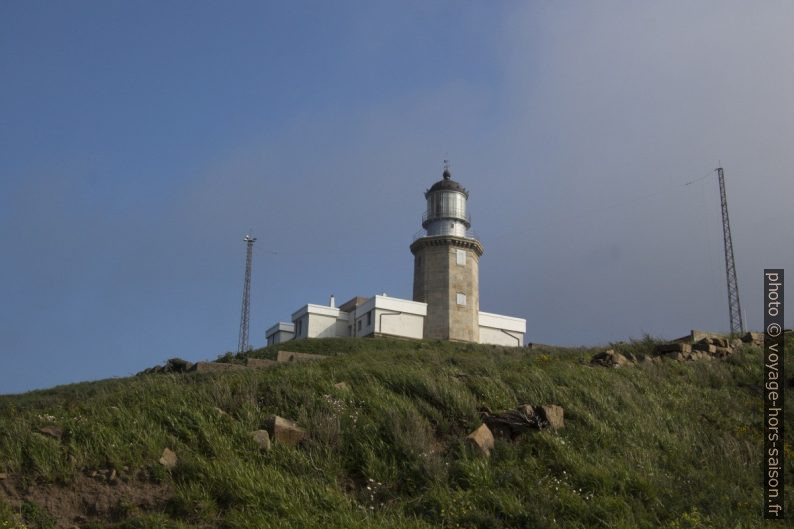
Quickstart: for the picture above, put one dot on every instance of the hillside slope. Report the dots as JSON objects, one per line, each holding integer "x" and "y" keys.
{"x": 675, "y": 445}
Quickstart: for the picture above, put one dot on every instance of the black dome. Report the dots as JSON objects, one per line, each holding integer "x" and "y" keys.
{"x": 448, "y": 184}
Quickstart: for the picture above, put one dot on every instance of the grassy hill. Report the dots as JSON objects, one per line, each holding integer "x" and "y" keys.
{"x": 676, "y": 445}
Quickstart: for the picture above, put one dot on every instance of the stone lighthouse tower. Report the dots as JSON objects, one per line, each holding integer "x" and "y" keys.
{"x": 446, "y": 264}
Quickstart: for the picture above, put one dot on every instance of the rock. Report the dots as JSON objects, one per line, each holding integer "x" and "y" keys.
{"x": 262, "y": 439}
{"x": 342, "y": 386}
{"x": 755, "y": 338}
{"x": 720, "y": 342}
{"x": 736, "y": 343}
{"x": 527, "y": 410}
{"x": 673, "y": 347}
{"x": 212, "y": 367}
{"x": 177, "y": 365}
{"x": 51, "y": 431}
{"x": 259, "y": 363}
{"x": 3, "y": 475}
{"x": 168, "y": 459}
{"x": 723, "y": 352}
{"x": 113, "y": 475}
{"x": 697, "y": 336}
{"x": 553, "y": 416}
{"x": 609, "y": 358}
{"x": 481, "y": 440}
{"x": 705, "y": 345}
{"x": 283, "y": 430}
{"x": 288, "y": 356}
{"x": 511, "y": 423}
{"x": 631, "y": 358}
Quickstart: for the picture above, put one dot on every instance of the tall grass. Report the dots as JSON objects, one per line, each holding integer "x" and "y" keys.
{"x": 674, "y": 445}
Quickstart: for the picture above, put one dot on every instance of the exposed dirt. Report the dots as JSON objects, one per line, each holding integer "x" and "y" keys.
{"x": 87, "y": 499}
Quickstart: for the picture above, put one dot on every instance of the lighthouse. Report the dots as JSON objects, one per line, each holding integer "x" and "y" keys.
{"x": 446, "y": 292}
{"x": 446, "y": 264}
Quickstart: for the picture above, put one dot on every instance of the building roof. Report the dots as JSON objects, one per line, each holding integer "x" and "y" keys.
{"x": 447, "y": 184}
{"x": 351, "y": 304}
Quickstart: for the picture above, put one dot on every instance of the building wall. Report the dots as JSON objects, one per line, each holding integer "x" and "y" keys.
{"x": 489, "y": 335}
{"x": 321, "y": 326}
{"x": 319, "y": 321}
{"x": 399, "y": 324}
{"x": 497, "y": 329}
{"x": 280, "y": 337}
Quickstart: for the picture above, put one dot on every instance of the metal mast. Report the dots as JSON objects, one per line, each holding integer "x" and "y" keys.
{"x": 734, "y": 307}
{"x": 242, "y": 344}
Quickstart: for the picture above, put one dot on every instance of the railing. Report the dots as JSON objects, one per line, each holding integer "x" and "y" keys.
{"x": 445, "y": 213}
{"x": 470, "y": 234}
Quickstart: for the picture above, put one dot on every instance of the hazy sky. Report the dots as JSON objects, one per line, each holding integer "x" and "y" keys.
{"x": 139, "y": 141}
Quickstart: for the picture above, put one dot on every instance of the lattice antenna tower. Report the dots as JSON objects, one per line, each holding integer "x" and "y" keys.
{"x": 243, "y": 345}
{"x": 734, "y": 307}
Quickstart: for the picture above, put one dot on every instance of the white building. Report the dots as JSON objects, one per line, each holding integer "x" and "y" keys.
{"x": 446, "y": 289}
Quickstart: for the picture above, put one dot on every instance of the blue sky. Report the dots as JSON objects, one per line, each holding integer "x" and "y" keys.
{"x": 139, "y": 141}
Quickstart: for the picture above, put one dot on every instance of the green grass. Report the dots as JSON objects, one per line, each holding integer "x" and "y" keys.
{"x": 677, "y": 445}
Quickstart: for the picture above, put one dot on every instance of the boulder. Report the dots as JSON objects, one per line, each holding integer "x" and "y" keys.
{"x": 754, "y": 338}
{"x": 552, "y": 416}
{"x": 705, "y": 345}
{"x": 528, "y": 411}
{"x": 214, "y": 367}
{"x": 283, "y": 430}
{"x": 288, "y": 356}
{"x": 176, "y": 365}
{"x": 736, "y": 343}
{"x": 696, "y": 335}
{"x": 720, "y": 342}
{"x": 168, "y": 459}
{"x": 481, "y": 440}
{"x": 723, "y": 352}
{"x": 342, "y": 386}
{"x": 673, "y": 347}
{"x": 609, "y": 358}
{"x": 511, "y": 423}
{"x": 51, "y": 431}
{"x": 262, "y": 439}
{"x": 259, "y": 363}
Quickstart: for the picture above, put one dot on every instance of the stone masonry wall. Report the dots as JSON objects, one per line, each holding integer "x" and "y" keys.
{"x": 438, "y": 279}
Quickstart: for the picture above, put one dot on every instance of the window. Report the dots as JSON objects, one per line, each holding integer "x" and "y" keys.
{"x": 298, "y": 327}
{"x": 461, "y": 257}
{"x": 461, "y": 299}
{"x": 369, "y": 318}
{"x": 350, "y": 330}
{"x": 358, "y": 326}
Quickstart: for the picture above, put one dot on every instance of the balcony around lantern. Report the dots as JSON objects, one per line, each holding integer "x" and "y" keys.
{"x": 446, "y": 213}
{"x": 470, "y": 234}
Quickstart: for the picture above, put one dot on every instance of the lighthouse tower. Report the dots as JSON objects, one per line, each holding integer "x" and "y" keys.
{"x": 446, "y": 264}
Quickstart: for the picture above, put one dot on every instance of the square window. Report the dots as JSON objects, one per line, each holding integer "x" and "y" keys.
{"x": 461, "y": 299}
{"x": 461, "y": 257}
{"x": 369, "y": 318}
